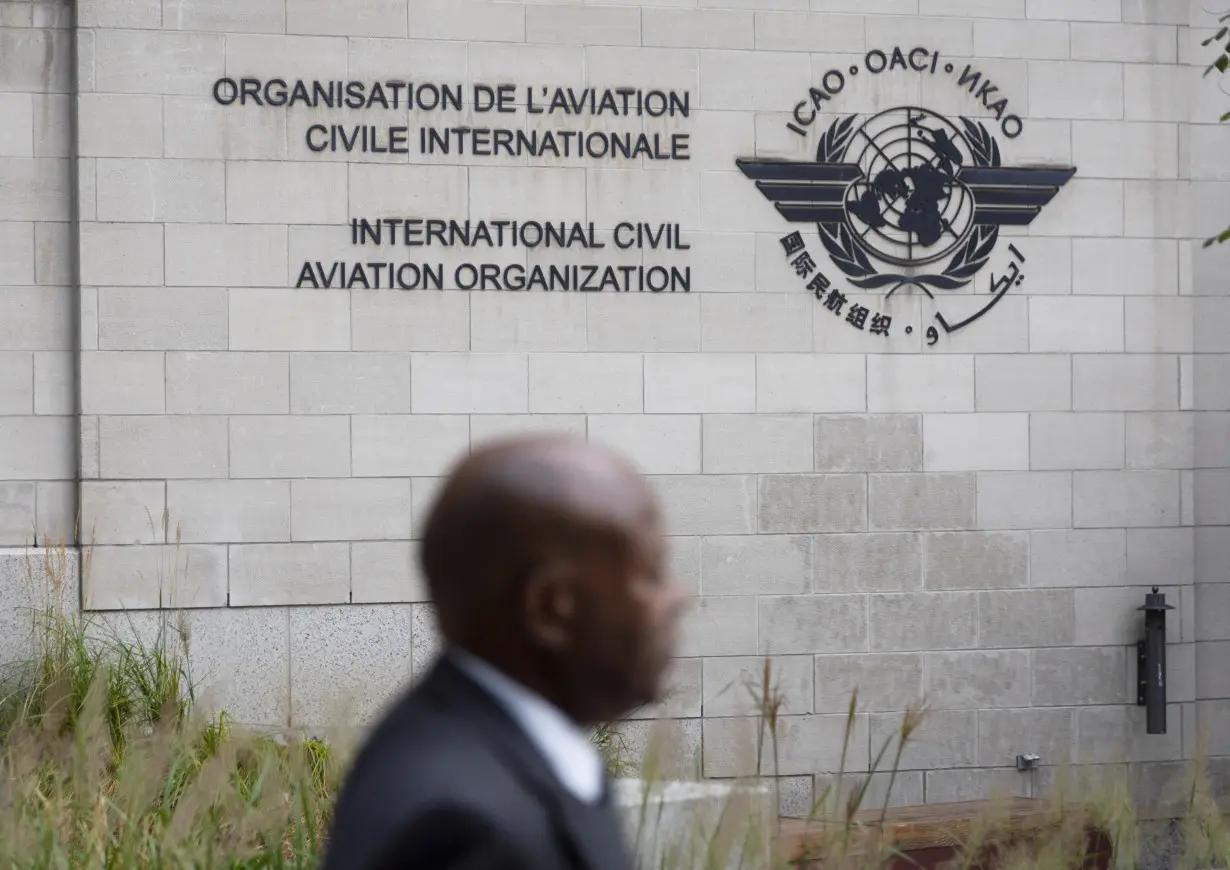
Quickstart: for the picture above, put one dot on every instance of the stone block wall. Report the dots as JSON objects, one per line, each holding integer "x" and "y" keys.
{"x": 38, "y": 304}
{"x": 1208, "y": 430}
{"x": 974, "y": 519}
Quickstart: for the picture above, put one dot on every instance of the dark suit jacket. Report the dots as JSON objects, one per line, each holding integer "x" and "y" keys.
{"x": 448, "y": 781}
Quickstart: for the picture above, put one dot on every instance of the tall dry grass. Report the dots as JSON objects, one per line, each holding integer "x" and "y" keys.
{"x": 107, "y": 761}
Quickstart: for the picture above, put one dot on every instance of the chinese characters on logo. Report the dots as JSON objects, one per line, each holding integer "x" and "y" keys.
{"x": 804, "y": 266}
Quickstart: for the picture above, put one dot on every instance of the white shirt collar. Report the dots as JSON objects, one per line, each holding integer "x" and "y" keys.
{"x": 567, "y": 749}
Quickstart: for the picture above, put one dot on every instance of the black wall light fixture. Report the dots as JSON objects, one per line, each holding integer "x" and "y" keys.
{"x": 1151, "y": 663}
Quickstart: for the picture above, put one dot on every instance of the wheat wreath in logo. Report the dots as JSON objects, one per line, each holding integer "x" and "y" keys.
{"x": 908, "y": 198}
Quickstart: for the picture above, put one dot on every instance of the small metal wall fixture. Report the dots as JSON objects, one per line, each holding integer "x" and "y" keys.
{"x": 1151, "y": 663}
{"x": 1028, "y": 761}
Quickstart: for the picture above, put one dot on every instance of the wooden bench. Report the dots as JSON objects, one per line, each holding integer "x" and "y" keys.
{"x": 927, "y": 836}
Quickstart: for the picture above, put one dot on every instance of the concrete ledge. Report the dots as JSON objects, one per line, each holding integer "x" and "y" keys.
{"x": 697, "y": 825}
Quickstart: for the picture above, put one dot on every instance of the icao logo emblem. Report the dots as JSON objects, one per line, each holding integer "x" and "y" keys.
{"x": 906, "y": 198}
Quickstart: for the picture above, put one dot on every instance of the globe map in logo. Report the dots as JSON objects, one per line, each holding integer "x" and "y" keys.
{"x": 909, "y": 207}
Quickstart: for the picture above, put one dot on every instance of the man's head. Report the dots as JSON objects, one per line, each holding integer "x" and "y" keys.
{"x": 545, "y": 555}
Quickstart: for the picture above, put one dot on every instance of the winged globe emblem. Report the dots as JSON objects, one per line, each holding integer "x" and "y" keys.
{"x": 908, "y": 197}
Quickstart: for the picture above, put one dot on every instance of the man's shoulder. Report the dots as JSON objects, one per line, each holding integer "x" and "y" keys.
{"x": 428, "y": 773}
{"x": 437, "y": 742}
{"x": 428, "y": 785}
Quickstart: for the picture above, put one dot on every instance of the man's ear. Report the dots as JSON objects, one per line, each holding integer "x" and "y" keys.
{"x": 550, "y": 605}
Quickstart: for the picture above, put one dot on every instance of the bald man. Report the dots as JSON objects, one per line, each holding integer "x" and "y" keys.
{"x": 545, "y": 559}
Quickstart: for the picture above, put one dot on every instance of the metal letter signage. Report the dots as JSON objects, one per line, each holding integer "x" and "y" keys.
{"x": 907, "y": 198}
{"x": 582, "y": 124}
